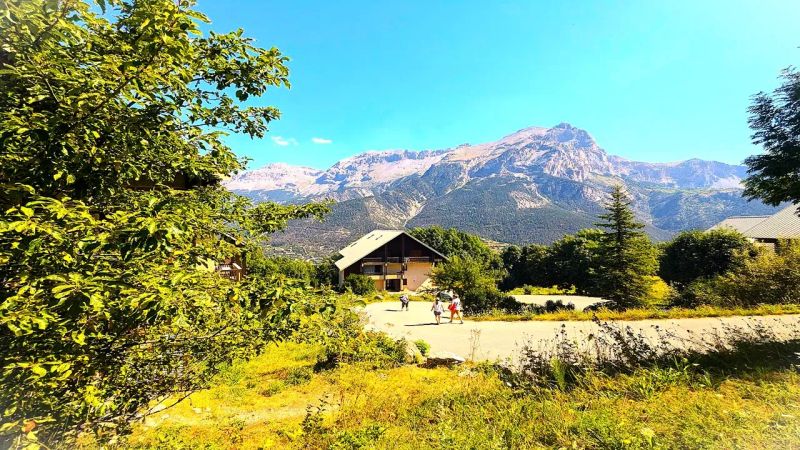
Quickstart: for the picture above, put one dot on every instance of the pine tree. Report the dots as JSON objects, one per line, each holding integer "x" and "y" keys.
{"x": 627, "y": 257}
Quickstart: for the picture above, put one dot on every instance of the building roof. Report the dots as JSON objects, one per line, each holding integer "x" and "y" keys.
{"x": 785, "y": 224}
{"x": 369, "y": 243}
{"x": 739, "y": 223}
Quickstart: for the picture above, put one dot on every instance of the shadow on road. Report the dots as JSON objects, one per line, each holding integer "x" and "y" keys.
{"x": 419, "y": 324}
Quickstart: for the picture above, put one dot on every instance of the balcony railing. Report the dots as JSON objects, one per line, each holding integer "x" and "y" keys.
{"x": 392, "y": 259}
{"x": 395, "y": 259}
{"x": 418, "y": 259}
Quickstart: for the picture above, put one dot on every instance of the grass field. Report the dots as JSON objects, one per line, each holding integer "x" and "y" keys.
{"x": 278, "y": 401}
{"x": 642, "y": 313}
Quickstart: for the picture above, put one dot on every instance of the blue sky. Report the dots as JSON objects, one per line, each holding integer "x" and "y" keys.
{"x": 650, "y": 80}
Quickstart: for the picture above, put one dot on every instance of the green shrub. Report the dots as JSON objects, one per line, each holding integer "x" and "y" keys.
{"x": 423, "y": 347}
{"x": 697, "y": 254}
{"x": 539, "y": 290}
{"x": 359, "y": 284}
{"x": 375, "y": 349}
{"x": 770, "y": 278}
{"x": 340, "y": 332}
{"x": 487, "y": 298}
{"x": 272, "y": 388}
{"x": 551, "y": 306}
{"x": 298, "y": 375}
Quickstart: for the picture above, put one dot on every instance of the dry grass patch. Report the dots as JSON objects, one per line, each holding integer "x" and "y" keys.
{"x": 641, "y": 313}
{"x": 476, "y": 407}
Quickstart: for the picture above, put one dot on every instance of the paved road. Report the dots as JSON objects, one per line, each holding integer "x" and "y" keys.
{"x": 502, "y": 340}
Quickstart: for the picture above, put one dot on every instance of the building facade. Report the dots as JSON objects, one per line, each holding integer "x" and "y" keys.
{"x": 393, "y": 259}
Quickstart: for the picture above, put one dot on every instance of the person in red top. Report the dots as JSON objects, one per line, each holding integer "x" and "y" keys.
{"x": 455, "y": 309}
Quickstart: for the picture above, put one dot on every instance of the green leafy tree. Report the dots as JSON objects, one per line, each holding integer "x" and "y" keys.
{"x": 775, "y": 120}
{"x": 697, "y": 254}
{"x": 453, "y": 242}
{"x": 109, "y": 300}
{"x": 627, "y": 258}
{"x": 574, "y": 260}
{"x": 263, "y": 266}
{"x": 473, "y": 280}
{"x": 526, "y": 265}
{"x": 326, "y": 273}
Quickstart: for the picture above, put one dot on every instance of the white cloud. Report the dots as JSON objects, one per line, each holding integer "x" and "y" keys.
{"x": 283, "y": 142}
{"x": 317, "y": 140}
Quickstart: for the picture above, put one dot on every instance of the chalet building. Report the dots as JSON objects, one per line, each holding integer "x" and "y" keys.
{"x": 394, "y": 259}
{"x": 766, "y": 230}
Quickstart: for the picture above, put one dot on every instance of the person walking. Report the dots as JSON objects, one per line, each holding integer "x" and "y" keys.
{"x": 455, "y": 309}
{"x": 437, "y": 310}
{"x": 404, "y": 302}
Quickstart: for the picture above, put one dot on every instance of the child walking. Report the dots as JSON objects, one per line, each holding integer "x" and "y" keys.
{"x": 437, "y": 311}
{"x": 404, "y": 302}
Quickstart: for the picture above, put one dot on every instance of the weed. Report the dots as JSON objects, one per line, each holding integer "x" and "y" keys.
{"x": 272, "y": 388}
{"x": 423, "y": 347}
{"x": 298, "y": 375}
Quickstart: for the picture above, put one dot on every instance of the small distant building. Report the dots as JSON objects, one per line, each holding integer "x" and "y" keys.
{"x": 394, "y": 259}
{"x": 231, "y": 268}
{"x": 765, "y": 230}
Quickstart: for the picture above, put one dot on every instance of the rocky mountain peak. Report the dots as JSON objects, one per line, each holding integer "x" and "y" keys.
{"x": 565, "y": 133}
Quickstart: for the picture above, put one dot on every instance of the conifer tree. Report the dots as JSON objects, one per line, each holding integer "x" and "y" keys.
{"x": 627, "y": 257}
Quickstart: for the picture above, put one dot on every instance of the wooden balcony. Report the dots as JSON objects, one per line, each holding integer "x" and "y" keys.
{"x": 388, "y": 276}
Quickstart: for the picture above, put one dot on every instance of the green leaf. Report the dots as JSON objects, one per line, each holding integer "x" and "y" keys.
{"x": 79, "y": 338}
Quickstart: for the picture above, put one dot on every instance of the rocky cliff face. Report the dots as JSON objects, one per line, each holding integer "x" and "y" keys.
{"x": 534, "y": 185}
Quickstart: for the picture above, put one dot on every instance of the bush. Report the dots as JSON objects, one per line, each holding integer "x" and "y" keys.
{"x": 377, "y": 350}
{"x": 697, "y": 254}
{"x": 474, "y": 281}
{"x": 359, "y": 284}
{"x": 423, "y": 347}
{"x": 298, "y": 375}
{"x": 769, "y": 278}
{"x": 482, "y": 299}
{"x": 558, "y": 305}
{"x": 538, "y": 290}
{"x": 340, "y": 332}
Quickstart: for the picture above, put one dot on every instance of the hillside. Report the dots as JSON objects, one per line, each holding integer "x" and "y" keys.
{"x": 534, "y": 185}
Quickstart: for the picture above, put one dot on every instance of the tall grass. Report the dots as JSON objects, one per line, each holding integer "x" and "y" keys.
{"x": 641, "y": 313}
{"x": 740, "y": 393}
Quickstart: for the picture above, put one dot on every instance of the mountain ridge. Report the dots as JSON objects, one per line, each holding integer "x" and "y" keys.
{"x": 533, "y": 185}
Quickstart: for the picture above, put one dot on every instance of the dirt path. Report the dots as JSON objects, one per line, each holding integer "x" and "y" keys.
{"x": 502, "y": 340}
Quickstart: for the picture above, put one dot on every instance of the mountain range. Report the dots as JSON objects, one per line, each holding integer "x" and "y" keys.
{"x": 534, "y": 185}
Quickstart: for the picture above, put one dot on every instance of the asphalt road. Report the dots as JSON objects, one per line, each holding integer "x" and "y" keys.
{"x": 502, "y": 341}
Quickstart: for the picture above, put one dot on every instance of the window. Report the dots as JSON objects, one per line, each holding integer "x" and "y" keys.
{"x": 372, "y": 270}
